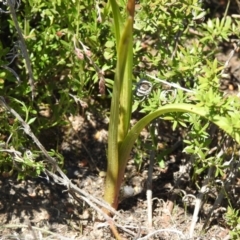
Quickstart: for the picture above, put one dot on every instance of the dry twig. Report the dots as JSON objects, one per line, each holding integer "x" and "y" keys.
{"x": 11, "y": 4}
{"x": 160, "y": 231}
{"x": 149, "y": 189}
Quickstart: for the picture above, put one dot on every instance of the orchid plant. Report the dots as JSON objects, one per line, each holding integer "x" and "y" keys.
{"x": 121, "y": 136}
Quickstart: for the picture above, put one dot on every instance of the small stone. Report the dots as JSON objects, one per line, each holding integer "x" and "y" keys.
{"x": 127, "y": 191}
{"x": 102, "y": 174}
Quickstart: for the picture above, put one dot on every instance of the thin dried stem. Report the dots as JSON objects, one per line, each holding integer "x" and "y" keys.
{"x": 11, "y": 4}
{"x": 160, "y": 231}
{"x": 199, "y": 200}
{"x": 149, "y": 189}
{"x": 174, "y": 85}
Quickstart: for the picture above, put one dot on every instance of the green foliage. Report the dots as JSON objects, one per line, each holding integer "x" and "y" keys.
{"x": 232, "y": 217}
{"x": 69, "y": 44}
{"x": 59, "y": 64}
{"x": 187, "y": 58}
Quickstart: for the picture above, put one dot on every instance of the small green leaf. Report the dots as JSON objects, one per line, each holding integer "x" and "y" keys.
{"x": 31, "y": 120}
{"x": 109, "y": 44}
{"x": 161, "y": 163}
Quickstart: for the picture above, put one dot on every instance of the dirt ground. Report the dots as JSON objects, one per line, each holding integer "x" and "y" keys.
{"x": 40, "y": 209}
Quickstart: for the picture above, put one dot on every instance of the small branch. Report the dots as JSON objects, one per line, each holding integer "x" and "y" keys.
{"x": 115, "y": 231}
{"x": 154, "y": 134}
{"x": 11, "y": 71}
{"x": 170, "y": 84}
{"x": 230, "y": 56}
{"x": 11, "y": 4}
{"x": 178, "y": 38}
{"x": 149, "y": 188}
{"x": 199, "y": 200}
{"x": 195, "y": 32}
{"x": 162, "y": 230}
{"x": 99, "y": 17}
{"x": 4, "y": 2}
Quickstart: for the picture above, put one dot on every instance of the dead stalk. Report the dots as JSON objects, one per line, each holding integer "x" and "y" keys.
{"x": 23, "y": 46}
{"x": 149, "y": 189}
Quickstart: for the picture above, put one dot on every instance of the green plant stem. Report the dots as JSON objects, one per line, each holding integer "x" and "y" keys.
{"x": 116, "y": 130}
{"x": 125, "y": 106}
{"x": 118, "y": 22}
